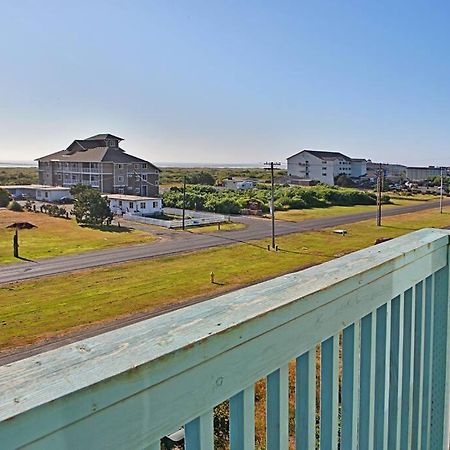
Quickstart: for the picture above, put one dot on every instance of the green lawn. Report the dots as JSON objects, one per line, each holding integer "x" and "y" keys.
{"x": 317, "y": 213}
{"x": 32, "y": 310}
{"x": 56, "y": 236}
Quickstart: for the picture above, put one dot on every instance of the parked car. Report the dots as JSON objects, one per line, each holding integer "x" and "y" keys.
{"x": 19, "y": 197}
{"x": 66, "y": 200}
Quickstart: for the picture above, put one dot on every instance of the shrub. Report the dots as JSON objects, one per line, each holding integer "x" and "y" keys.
{"x": 15, "y": 206}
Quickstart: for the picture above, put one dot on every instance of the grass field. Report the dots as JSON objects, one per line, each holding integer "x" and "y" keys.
{"x": 18, "y": 175}
{"x": 228, "y": 226}
{"x": 56, "y": 236}
{"x": 32, "y": 310}
{"x": 333, "y": 211}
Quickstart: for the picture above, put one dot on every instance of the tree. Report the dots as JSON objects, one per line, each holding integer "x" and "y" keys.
{"x": 90, "y": 207}
{"x": 201, "y": 177}
{"x": 4, "y": 198}
{"x": 343, "y": 180}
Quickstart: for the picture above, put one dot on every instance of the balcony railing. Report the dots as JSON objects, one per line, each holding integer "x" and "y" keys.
{"x": 379, "y": 316}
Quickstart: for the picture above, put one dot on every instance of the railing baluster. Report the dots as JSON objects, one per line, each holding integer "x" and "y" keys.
{"x": 427, "y": 358}
{"x": 381, "y": 376}
{"x": 367, "y": 371}
{"x": 199, "y": 433}
{"x": 395, "y": 373}
{"x": 418, "y": 367}
{"x": 440, "y": 379}
{"x": 242, "y": 420}
{"x": 277, "y": 414}
{"x": 305, "y": 401}
{"x": 406, "y": 380}
{"x": 350, "y": 390}
{"x": 329, "y": 393}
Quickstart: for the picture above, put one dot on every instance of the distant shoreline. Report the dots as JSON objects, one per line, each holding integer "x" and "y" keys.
{"x": 6, "y": 164}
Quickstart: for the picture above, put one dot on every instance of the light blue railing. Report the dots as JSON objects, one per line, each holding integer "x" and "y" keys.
{"x": 380, "y": 317}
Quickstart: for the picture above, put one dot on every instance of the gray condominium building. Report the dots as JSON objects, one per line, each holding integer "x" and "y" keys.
{"x": 98, "y": 161}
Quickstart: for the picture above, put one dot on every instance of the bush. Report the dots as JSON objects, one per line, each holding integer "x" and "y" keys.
{"x": 5, "y": 198}
{"x": 286, "y": 197}
{"x": 15, "y": 206}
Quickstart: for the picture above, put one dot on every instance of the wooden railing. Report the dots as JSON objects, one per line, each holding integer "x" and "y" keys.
{"x": 380, "y": 317}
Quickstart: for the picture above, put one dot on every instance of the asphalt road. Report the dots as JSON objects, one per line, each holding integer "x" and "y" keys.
{"x": 179, "y": 242}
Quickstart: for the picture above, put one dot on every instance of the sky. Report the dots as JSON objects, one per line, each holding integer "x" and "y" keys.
{"x": 208, "y": 81}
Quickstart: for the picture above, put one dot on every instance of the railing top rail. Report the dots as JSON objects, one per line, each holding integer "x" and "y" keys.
{"x": 248, "y": 312}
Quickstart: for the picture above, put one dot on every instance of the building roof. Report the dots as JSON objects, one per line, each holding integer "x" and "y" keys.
{"x": 102, "y": 137}
{"x": 42, "y": 187}
{"x": 358, "y": 159}
{"x": 129, "y": 198}
{"x": 94, "y": 149}
{"x": 323, "y": 154}
{"x": 423, "y": 168}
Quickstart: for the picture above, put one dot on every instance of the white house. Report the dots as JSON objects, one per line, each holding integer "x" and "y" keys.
{"x": 39, "y": 192}
{"x": 319, "y": 165}
{"x": 134, "y": 204}
{"x": 238, "y": 183}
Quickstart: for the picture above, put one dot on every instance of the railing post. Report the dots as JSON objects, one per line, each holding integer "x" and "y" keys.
{"x": 439, "y": 433}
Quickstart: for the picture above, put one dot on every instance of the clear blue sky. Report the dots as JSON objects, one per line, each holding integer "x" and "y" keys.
{"x": 227, "y": 81}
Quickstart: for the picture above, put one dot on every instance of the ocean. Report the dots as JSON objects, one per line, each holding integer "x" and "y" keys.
{"x": 160, "y": 164}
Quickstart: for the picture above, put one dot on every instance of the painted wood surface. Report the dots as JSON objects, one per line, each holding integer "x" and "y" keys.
{"x": 128, "y": 388}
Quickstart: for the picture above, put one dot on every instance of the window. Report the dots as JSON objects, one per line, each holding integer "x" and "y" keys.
{"x": 144, "y": 177}
{"x": 120, "y": 179}
{"x": 136, "y": 166}
{"x": 46, "y": 194}
{"x": 138, "y": 190}
{"x": 144, "y": 166}
{"x": 155, "y": 204}
{"x": 120, "y": 202}
{"x": 59, "y": 176}
{"x": 131, "y": 205}
{"x": 119, "y": 166}
{"x": 143, "y": 205}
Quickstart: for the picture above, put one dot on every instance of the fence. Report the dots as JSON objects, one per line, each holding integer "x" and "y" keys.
{"x": 193, "y": 218}
{"x": 379, "y": 316}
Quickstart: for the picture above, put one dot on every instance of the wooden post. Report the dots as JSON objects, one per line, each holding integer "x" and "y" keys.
{"x": 379, "y": 191}
{"x": 184, "y": 202}
{"x": 16, "y": 243}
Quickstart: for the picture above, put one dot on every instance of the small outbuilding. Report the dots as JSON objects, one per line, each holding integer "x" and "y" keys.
{"x": 134, "y": 204}
{"x": 39, "y": 192}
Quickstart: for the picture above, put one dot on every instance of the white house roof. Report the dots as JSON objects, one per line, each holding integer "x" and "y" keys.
{"x": 129, "y": 198}
{"x": 323, "y": 154}
{"x": 42, "y": 187}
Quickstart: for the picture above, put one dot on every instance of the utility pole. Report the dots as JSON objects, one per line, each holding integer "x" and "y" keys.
{"x": 184, "y": 202}
{"x": 272, "y": 198}
{"x": 379, "y": 191}
{"x": 441, "y": 197}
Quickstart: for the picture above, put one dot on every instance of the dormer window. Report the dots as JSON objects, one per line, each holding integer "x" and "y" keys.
{"x": 111, "y": 142}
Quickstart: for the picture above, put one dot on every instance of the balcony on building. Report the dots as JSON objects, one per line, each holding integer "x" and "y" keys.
{"x": 352, "y": 354}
